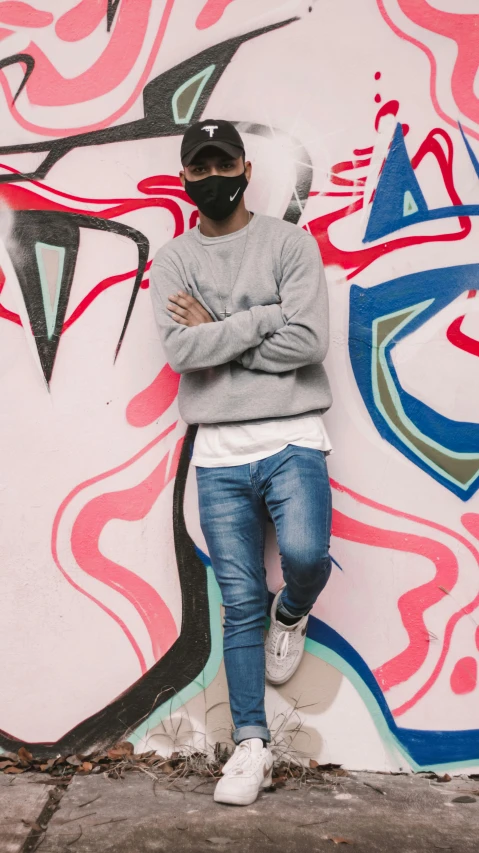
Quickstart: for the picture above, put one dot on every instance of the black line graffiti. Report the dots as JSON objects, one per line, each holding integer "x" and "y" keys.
{"x": 189, "y": 654}
{"x": 111, "y": 12}
{"x": 16, "y": 58}
{"x": 178, "y": 668}
{"x": 159, "y": 118}
{"x": 57, "y": 228}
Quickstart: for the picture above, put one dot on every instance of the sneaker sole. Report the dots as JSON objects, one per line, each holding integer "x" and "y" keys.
{"x": 277, "y": 681}
{"x": 246, "y": 800}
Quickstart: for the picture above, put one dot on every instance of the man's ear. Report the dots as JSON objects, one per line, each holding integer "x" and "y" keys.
{"x": 182, "y": 177}
{"x": 248, "y": 170}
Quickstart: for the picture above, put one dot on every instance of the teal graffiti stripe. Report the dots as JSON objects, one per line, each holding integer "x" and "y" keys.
{"x": 202, "y": 77}
{"x": 49, "y": 309}
{"x": 329, "y": 656}
{"x": 205, "y": 677}
{"x": 326, "y": 654}
{"x": 381, "y": 355}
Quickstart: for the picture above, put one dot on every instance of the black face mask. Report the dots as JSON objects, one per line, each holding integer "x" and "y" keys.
{"x": 217, "y": 196}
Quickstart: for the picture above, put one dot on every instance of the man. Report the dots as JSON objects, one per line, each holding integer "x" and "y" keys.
{"x": 241, "y": 306}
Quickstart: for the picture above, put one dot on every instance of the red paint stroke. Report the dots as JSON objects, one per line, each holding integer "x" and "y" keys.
{"x": 154, "y": 400}
{"x": 81, "y": 21}
{"x": 390, "y": 108}
{"x": 413, "y": 603}
{"x": 464, "y": 676}
{"x": 357, "y": 260}
{"x": 460, "y": 339}
{"x": 116, "y": 61}
{"x": 470, "y": 521}
{"x": 92, "y": 295}
{"x": 378, "y": 98}
{"x": 464, "y": 60}
{"x": 346, "y": 166}
{"x": 56, "y": 523}
{"x": 145, "y": 186}
{"x": 18, "y": 197}
{"x": 339, "y": 195}
{"x": 464, "y": 611}
{"x": 164, "y": 185}
{"x": 477, "y": 637}
{"x": 362, "y": 152}
{"x": 211, "y": 13}
{"x": 4, "y": 33}
{"x": 48, "y": 88}
{"x": 377, "y": 75}
{"x": 148, "y": 185}
{"x": 126, "y": 505}
{"x": 18, "y": 14}
{"x": 463, "y": 29}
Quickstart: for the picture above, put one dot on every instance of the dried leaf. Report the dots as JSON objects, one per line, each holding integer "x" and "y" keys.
{"x": 168, "y": 768}
{"x": 87, "y": 766}
{"x": 445, "y": 778}
{"x": 313, "y": 764}
{"x": 15, "y": 770}
{"x": 339, "y": 839}
{"x": 174, "y": 756}
{"x": 120, "y": 750}
{"x": 12, "y": 756}
{"x": 4, "y": 764}
{"x": 25, "y": 755}
{"x": 42, "y": 767}
{"x": 74, "y": 761}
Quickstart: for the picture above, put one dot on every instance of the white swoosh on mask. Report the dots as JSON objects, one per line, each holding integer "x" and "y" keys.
{"x": 232, "y": 197}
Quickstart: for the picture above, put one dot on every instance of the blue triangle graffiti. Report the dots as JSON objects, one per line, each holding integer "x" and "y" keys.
{"x": 398, "y": 193}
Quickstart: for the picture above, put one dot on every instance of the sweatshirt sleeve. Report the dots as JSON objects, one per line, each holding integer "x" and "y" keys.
{"x": 304, "y": 338}
{"x": 199, "y": 347}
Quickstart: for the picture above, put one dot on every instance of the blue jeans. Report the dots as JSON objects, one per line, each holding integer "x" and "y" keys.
{"x": 293, "y": 485}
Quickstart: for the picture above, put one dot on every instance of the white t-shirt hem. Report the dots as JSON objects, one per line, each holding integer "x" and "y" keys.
{"x": 230, "y": 462}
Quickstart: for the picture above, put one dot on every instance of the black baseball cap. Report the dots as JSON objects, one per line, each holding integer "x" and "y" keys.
{"x": 211, "y": 132}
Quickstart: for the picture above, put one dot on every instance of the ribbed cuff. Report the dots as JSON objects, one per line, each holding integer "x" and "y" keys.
{"x": 247, "y": 732}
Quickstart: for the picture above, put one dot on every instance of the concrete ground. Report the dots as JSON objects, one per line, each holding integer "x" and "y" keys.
{"x": 361, "y": 812}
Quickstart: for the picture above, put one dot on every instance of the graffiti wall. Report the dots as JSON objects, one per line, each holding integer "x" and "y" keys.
{"x": 362, "y": 123}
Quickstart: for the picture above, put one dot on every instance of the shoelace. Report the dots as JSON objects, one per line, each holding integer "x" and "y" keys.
{"x": 241, "y": 757}
{"x": 281, "y": 645}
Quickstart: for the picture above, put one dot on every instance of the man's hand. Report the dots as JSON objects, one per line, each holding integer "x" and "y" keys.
{"x": 187, "y": 311}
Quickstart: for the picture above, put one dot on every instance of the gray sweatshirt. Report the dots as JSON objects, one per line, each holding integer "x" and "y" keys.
{"x": 265, "y": 360}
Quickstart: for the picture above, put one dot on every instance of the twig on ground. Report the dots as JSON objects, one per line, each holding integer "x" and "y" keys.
{"x": 79, "y": 817}
{"x": 74, "y": 840}
{"x": 89, "y": 802}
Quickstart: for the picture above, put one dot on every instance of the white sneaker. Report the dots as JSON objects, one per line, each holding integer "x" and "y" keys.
{"x": 249, "y": 769}
{"x": 284, "y": 646}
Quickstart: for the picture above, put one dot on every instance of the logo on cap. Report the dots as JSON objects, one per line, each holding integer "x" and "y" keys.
{"x": 210, "y": 128}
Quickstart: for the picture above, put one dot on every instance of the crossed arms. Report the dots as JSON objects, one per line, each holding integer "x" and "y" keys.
{"x": 271, "y": 338}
